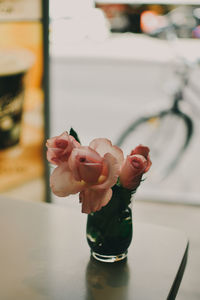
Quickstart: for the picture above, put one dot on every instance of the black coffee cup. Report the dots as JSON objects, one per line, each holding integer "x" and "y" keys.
{"x": 14, "y": 65}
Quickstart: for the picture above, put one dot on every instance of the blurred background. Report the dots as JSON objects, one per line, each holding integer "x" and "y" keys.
{"x": 127, "y": 70}
{"x": 22, "y": 76}
{"x": 114, "y": 63}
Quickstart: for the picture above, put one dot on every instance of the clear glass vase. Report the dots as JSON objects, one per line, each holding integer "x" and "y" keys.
{"x": 109, "y": 231}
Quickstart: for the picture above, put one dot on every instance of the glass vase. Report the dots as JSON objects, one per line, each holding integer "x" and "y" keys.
{"x": 109, "y": 231}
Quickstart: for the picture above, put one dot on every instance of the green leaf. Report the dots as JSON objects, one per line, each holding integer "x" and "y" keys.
{"x": 74, "y": 134}
{"x": 118, "y": 182}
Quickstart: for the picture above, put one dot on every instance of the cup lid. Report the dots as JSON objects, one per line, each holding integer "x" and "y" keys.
{"x": 15, "y": 61}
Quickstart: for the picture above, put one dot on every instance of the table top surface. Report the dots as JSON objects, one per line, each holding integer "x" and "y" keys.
{"x": 44, "y": 255}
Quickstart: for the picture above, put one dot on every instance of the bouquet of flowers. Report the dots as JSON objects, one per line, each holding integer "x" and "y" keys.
{"x": 94, "y": 171}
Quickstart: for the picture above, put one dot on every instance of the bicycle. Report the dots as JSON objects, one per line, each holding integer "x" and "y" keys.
{"x": 161, "y": 130}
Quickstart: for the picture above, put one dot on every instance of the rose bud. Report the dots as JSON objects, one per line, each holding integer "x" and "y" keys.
{"x": 133, "y": 168}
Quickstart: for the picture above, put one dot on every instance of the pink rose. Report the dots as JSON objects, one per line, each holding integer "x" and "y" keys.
{"x": 92, "y": 171}
{"x": 135, "y": 165}
{"x": 60, "y": 147}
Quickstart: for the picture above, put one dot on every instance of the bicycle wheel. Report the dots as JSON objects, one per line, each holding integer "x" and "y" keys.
{"x": 167, "y": 134}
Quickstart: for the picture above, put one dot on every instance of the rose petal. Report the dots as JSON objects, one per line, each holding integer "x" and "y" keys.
{"x": 94, "y": 200}
{"x": 143, "y": 150}
{"x": 74, "y": 142}
{"x": 113, "y": 168}
{"x": 90, "y": 172}
{"x": 52, "y": 156}
{"x": 61, "y": 143}
{"x": 137, "y": 162}
{"x": 103, "y": 146}
{"x": 80, "y": 156}
{"x": 63, "y": 183}
{"x": 51, "y": 142}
